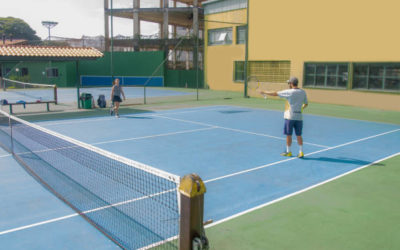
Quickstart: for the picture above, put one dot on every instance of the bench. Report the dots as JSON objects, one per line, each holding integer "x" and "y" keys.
{"x": 29, "y": 103}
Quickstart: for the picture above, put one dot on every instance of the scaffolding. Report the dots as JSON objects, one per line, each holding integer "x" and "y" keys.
{"x": 179, "y": 23}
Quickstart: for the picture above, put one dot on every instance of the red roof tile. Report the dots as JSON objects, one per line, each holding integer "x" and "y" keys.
{"x": 47, "y": 51}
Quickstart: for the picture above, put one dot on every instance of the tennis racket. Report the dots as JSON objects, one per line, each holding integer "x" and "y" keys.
{"x": 112, "y": 108}
{"x": 254, "y": 84}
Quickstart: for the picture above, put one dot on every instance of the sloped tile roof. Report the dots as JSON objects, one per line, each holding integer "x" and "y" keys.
{"x": 41, "y": 51}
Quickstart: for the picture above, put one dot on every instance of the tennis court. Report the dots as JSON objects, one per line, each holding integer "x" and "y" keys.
{"x": 235, "y": 149}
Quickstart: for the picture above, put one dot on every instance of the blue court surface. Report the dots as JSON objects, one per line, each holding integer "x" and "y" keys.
{"x": 235, "y": 150}
{"x": 69, "y": 95}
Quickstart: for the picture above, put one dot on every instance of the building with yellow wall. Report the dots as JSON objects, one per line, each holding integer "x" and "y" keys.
{"x": 343, "y": 51}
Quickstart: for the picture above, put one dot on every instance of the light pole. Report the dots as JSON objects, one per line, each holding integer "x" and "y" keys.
{"x": 49, "y": 25}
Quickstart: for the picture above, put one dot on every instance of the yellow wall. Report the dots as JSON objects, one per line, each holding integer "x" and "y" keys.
{"x": 328, "y": 31}
{"x": 315, "y": 30}
{"x": 219, "y": 59}
{"x": 310, "y": 31}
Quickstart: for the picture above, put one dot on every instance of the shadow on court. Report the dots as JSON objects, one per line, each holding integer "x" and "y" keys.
{"x": 233, "y": 111}
{"x": 341, "y": 160}
{"x": 138, "y": 117}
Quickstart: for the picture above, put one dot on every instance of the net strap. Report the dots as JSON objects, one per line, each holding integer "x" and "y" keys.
{"x": 132, "y": 163}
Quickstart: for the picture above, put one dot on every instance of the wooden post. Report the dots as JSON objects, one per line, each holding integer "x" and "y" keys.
{"x": 192, "y": 234}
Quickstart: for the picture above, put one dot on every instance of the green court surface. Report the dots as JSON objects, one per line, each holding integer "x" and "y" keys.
{"x": 357, "y": 211}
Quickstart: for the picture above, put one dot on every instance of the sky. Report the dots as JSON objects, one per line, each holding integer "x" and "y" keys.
{"x": 75, "y": 17}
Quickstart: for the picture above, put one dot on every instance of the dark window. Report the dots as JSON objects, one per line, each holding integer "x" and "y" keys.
{"x": 241, "y": 34}
{"x": 326, "y": 75}
{"x": 24, "y": 72}
{"x": 52, "y": 72}
{"x": 239, "y": 72}
{"x": 377, "y": 76}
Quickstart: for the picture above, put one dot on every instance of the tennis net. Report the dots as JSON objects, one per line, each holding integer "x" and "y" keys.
{"x": 29, "y": 92}
{"x": 135, "y": 205}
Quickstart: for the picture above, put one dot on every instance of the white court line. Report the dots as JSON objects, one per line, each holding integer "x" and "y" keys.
{"x": 298, "y": 192}
{"x": 106, "y": 142}
{"x": 111, "y": 118}
{"x": 153, "y": 136}
{"x": 294, "y": 158}
{"x": 4, "y": 156}
{"x": 317, "y": 115}
{"x": 84, "y": 212}
{"x": 236, "y": 130}
{"x": 38, "y": 224}
{"x": 242, "y": 172}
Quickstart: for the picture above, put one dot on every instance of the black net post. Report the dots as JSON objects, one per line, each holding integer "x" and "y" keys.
{"x": 55, "y": 95}
{"x": 192, "y": 234}
{"x": 11, "y": 133}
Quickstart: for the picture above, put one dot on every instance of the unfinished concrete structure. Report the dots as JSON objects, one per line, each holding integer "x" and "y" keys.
{"x": 180, "y": 30}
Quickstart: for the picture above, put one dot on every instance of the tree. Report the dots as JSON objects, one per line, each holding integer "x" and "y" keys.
{"x": 17, "y": 29}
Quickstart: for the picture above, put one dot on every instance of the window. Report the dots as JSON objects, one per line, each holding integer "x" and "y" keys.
{"x": 52, "y": 72}
{"x": 241, "y": 34}
{"x": 270, "y": 71}
{"x": 377, "y": 76}
{"x": 239, "y": 72}
{"x": 326, "y": 75}
{"x": 220, "y": 36}
{"x": 24, "y": 72}
{"x": 264, "y": 71}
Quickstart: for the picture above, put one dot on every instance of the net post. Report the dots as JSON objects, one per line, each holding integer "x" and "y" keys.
{"x": 78, "y": 83}
{"x": 11, "y": 133}
{"x": 191, "y": 229}
{"x": 55, "y": 95}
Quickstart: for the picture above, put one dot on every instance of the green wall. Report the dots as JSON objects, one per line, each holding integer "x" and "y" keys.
{"x": 125, "y": 64}
{"x": 37, "y": 72}
{"x": 183, "y": 78}
{"x": 142, "y": 63}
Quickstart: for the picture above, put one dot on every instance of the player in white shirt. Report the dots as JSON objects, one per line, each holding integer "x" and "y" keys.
{"x": 296, "y": 101}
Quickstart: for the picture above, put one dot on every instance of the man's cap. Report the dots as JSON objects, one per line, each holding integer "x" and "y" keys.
{"x": 293, "y": 80}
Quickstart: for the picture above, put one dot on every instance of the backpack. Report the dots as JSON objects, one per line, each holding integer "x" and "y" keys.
{"x": 101, "y": 101}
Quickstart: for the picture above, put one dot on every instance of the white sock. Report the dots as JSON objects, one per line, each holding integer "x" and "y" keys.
{"x": 287, "y": 148}
{"x": 301, "y": 148}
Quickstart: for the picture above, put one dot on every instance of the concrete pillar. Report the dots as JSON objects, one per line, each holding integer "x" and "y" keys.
{"x": 160, "y": 25}
{"x": 165, "y": 22}
{"x": 106, "y": 28}
{"x": 165, "y": 27}
{"x": 136, "y": 25}
{"x": 174, "y": 31}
